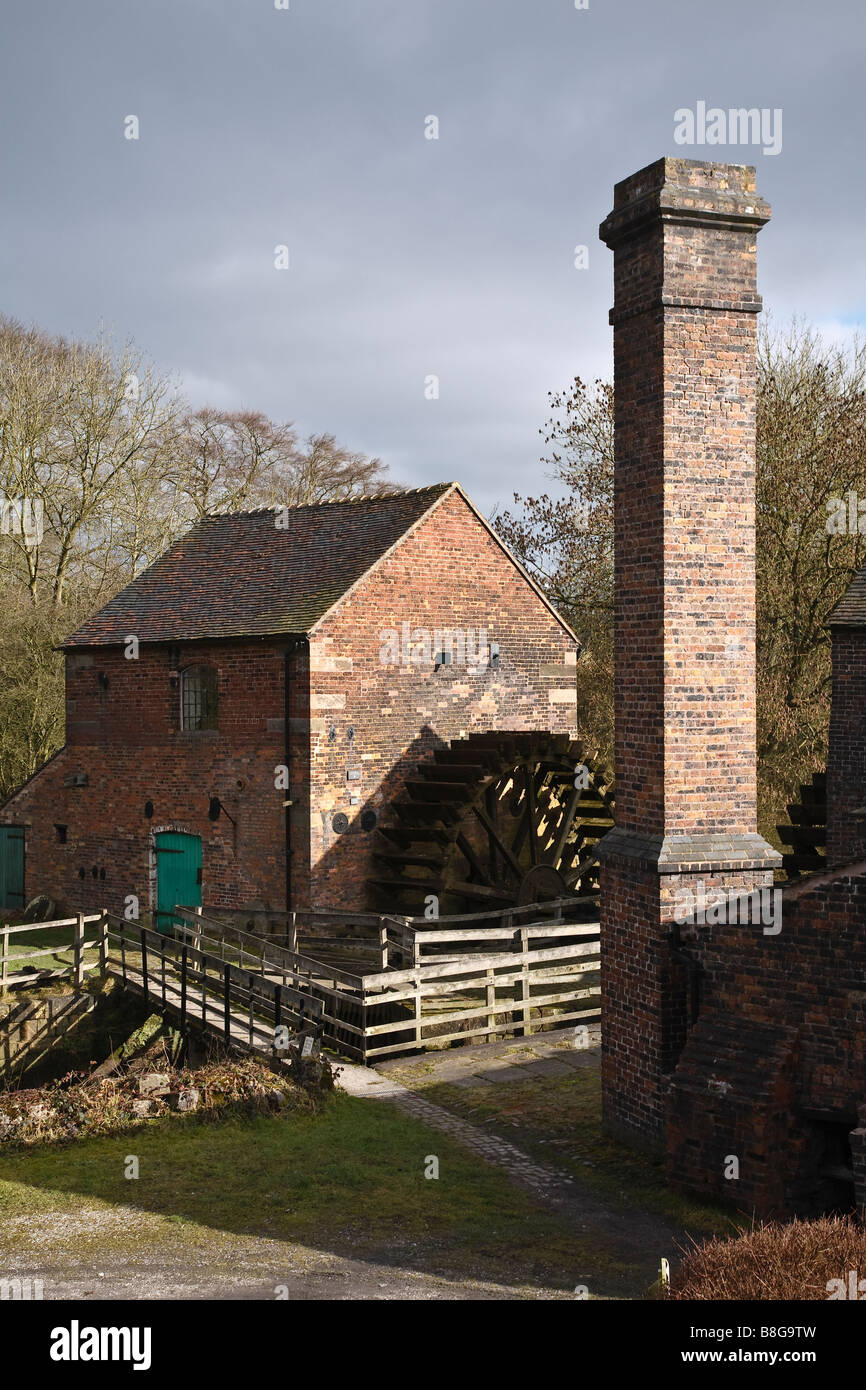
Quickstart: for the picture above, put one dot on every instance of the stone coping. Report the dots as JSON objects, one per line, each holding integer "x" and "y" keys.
{"x": 677, "y": 854}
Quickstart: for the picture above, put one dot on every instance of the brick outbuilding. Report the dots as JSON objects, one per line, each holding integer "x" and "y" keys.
{"x": 239, "y": 717}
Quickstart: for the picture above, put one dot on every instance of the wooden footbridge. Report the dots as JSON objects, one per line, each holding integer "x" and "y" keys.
{"x": 412, "y": 983}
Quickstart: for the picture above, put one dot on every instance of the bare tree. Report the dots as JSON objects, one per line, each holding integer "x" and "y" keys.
{"x": 113, "y": 466}
{"x": 811, "y": 455}
{"x": 237, "y": 460}
{"x": 86, "y": 437}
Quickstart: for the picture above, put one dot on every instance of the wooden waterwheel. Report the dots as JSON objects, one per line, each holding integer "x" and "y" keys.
{"x": 494, "y": 820}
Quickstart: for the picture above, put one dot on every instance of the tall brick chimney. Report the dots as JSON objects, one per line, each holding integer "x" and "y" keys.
{"x": 846, "y": 755}
{"x": 683, "y": 234}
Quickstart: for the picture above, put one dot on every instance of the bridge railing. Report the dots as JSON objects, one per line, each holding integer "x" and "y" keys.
{"x": 468, "y": 976}
{"x": 475, "y": 975}
{"x": 247, "y": 1007}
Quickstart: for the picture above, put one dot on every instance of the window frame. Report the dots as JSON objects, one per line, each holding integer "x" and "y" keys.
{"x": 207, "y": 697}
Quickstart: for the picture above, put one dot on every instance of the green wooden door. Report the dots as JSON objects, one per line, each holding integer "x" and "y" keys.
{"x": 178, "y": 875}
{"x": 11, "y": 866}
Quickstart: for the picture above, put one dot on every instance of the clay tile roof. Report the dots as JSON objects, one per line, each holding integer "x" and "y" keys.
{"x": 850, "y": 611}
{"x": 239, "y": 574}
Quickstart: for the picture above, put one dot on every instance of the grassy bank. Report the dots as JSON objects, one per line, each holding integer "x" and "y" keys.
{"x": 349, "y": 1179}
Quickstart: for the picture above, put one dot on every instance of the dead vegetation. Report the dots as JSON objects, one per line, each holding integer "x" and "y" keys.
{"x": 81, "y": 1104}
{"x": 795, "y": 1260}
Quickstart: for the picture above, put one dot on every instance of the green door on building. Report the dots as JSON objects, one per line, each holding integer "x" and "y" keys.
{"x": 11, "y": 866}
{"x": 178, "y": 875}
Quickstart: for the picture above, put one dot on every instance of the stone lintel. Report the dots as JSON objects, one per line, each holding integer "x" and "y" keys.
{"x": 690, "y": 854}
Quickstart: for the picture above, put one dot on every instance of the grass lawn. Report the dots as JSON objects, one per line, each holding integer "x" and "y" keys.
{"x": 350, "y": 1179}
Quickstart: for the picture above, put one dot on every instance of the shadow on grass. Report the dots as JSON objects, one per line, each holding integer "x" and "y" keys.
{"x": 349, "y": 1180}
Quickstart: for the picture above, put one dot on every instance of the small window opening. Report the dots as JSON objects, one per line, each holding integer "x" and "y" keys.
{"x": 199, "y": 698}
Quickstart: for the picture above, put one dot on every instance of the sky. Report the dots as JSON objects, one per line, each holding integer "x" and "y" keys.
{"x": 409, "y": 258}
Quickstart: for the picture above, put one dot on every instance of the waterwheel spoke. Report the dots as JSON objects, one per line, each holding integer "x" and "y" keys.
{"x": 565, "y": 825}
{"x": 532, "y": 814}
{"x": 516, "y": 824}
{"x": 496, "y": 839}
{"x": 472, "y": 858}
{"x": 530, "y": 824}
{"x": 492, "y": 796}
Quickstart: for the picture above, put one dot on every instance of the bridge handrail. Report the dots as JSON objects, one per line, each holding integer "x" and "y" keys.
{"x": 266, "y": 999}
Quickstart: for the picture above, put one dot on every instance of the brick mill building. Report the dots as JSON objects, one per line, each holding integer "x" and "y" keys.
{"x": 344, "y": 642}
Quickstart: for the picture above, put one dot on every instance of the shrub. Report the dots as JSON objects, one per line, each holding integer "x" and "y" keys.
{"x": 794, "y": 1260}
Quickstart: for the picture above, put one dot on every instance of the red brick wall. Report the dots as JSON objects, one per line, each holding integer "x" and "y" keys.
{"x": 846, "y": 757}
{"x": 450, "y": 573}
{"x": 127, "y": 739}
{"x": 780, "y": 1041}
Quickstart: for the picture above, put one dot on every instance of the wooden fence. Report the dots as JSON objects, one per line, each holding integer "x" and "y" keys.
{"x": 244, "y": 1001}
{"x": 476, "y": 976}
{"x": 78, "y": 946}
{"x": 473, "y": 976}
{"x": 483, "y": 982}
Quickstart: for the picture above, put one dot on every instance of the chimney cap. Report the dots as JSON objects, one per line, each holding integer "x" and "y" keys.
{"x": 695, "y": 191}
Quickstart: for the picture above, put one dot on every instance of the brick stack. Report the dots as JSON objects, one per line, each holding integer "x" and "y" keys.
{"x": 684, "y": 240}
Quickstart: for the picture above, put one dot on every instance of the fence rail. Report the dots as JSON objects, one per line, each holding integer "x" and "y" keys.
{"x": 244, "y": 1007}
{"x": 78, "y": 946}
{"x": 473, "y": 976}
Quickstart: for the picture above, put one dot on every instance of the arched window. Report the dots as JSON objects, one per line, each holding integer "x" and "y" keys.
{"x": 198, "y": 698}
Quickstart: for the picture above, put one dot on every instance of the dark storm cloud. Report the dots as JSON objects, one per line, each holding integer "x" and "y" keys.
{"x": 408, "y": 257}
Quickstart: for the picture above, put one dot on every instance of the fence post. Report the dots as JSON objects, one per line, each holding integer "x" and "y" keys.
{"x": 143, "y": 931}
{"x": 383, "y": 942}
{"x": 79, "y": 949}
{"x": 417, "y": 984}
{"x": 293, "y": 932}
{"x": 184, "y": 951}
{"x": 491, "y": 1002}
{"x": 103, "y": 943}
{"x": 522, "y": 985}
{"x": 227, "y": 995}
{"x": 4, "y": 961}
